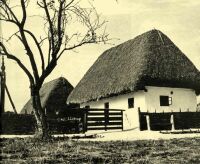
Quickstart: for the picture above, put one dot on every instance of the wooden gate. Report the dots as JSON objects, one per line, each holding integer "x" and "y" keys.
{"x": 103, "y": 119}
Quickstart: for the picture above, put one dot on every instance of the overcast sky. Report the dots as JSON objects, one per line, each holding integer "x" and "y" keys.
{"x": 178, "y": 19}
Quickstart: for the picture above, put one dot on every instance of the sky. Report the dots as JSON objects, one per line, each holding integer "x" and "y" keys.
{"x": 178, "y": 19}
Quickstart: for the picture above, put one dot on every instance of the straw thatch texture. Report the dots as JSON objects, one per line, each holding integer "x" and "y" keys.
{"x": 53, "y": 96}
{"x": 149, "y": 59}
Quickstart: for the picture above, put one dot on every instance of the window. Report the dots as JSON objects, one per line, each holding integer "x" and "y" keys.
{"x": 165, "y": 100}
{"x": 131, "y": 103}
{"x": 106, "y": 105}
{"x": 87, "y": 107}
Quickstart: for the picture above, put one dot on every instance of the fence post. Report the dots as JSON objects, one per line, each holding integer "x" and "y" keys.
{"x": 122, "y": 120}
{"x": 85, "y": 120}
{"x": 172, "y": 122}
{"x": 139, "y": 113}
{"x": 105, "y": 117}
{"x": 148, "y": 122}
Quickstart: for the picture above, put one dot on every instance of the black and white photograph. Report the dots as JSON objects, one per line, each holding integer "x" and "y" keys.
{"x": 97, "y": 82}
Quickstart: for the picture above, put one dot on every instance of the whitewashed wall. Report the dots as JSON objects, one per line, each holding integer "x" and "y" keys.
{"x": 182, "y": 98}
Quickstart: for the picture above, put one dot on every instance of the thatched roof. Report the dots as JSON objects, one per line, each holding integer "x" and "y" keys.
{"x": 53, "y": 94}
{"x": 149, "y": 59}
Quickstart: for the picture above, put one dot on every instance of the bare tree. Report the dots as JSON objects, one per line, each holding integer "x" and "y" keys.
{"x": 57, "y": 15}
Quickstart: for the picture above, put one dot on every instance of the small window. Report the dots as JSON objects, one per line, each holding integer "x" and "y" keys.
{"x": 106, "y": 105}
{"x": 87, "y": 107}
{"x": 131, "y": 103}
{"x": 165, "y": 100}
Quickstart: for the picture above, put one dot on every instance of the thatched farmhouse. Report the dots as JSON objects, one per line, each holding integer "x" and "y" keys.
{"x": 149, "y": 73}
{"x": 53, "y": 98}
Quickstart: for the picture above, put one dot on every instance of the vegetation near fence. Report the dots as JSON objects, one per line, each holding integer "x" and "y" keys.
{"x": 169, "y": 120}
{"x": 17, "y": 124}
{"x": 65, "y": 125}
{"x": 68, "y": 122}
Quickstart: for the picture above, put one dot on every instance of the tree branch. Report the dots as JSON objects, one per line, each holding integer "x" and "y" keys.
{"x": 29, "y": 53}
{"x": 50, "y": 67}
{"x": 12, "y": 57}
{"x": 24, "y": 12}
{"x": 69, "y": 4}
{"x": 59, "y": 25}
{"x": 39, "y": 48}
{"x": 50, "y": 24}
{"x": 10, "y": 10}
{"x": 75, "y": 46}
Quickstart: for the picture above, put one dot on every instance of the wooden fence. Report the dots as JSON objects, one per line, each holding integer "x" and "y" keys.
{"x": 71, "y": 121}
{"x": 169, "y": 120}
{"x": 103, "y": 119}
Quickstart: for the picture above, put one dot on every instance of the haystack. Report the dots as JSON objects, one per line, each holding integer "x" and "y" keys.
{"x": 53, "y": 97}
{"x": 150, "y": 59}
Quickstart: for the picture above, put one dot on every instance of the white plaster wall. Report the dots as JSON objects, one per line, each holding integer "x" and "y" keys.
{"x": 130, "y": 116}
{"x": 182, "y": 98}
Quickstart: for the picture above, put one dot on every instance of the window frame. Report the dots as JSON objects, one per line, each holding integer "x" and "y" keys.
{"x": 131, "y": 102}
{"x": 170, "y": 100}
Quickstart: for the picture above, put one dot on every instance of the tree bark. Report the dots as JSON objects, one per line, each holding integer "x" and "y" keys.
{"x": 41, "y": 120}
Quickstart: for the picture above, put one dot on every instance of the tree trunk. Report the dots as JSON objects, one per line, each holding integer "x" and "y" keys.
{"x": 42, "y": 128}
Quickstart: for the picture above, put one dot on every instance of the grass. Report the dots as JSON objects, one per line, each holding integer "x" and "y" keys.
{"x": 64, "y": 150}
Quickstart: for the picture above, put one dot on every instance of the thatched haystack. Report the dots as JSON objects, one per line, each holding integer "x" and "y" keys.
{"x": 53, "y": 97}
{"x": 149, "y": 59}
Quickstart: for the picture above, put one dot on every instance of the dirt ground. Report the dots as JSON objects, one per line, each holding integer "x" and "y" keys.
{"x": 133, "y": 135}
{"x": 128, "y": 135}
